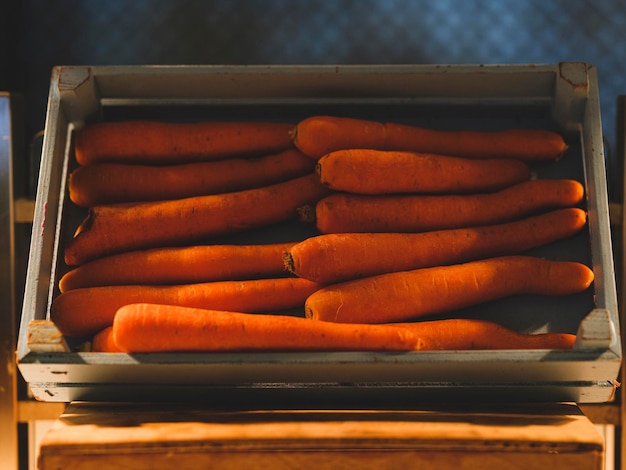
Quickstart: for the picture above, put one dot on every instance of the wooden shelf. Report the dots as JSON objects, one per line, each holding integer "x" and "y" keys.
{"x": 99, "y": 436}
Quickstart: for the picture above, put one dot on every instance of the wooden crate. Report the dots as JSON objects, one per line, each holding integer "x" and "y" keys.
{"x": 92, "y": 436}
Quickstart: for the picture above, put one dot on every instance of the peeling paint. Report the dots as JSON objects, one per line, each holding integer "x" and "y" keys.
{"x": 574, "y": 73}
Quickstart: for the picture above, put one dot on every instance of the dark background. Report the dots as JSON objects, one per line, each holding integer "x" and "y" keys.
{"x": 39, "y": 34}
{"x": 36, "y": 35}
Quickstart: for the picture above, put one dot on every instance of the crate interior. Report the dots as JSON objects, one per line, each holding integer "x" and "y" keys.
{"x": 528, "y": 314}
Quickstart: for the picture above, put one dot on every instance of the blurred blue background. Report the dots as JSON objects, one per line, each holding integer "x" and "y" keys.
{"x": 38, "y": 34}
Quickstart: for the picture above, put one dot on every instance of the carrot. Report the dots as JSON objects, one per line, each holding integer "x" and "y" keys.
{"x": 146, "y": 328}
{"x": 143, "y": 328}
{"x": 109, "y": 183}
{"x": 336, "y": 257}
{"x": 404, "y": 295}
{"x": 117, "y": 228}
{"x": 345, "y": 212}
{"x": 180, "y": 265}
{"x": 367, "y": 171}
{"x": 471, "y": 334}
{"x": 103, "y": 341}
{"x": 318, "y": 135}
{"x": 82, "y": 312}
{"x": 152, "y": 142}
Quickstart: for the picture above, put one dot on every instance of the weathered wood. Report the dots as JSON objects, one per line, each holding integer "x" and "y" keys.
{"x": 93, "y": 437}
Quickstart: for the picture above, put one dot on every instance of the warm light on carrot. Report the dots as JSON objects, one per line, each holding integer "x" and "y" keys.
{"x": 152, "y": 142}
{"x": 147, "y": 328}
{"x": 318, "y": 135}
{"x": 154, "y": 328}
{"x": 406, "y": 295}
{"x": 82, "y": 312}
{"x": 118, "y": 228}
{"x": 367, "y": 171}
{"x": 339, "y": 257}
{"x": 345, "y": 212}
{"x": 180, "y": 265}
{"x": 111, "y": 183}
{"x": 474, "y": 334}
{"x": 103, "y": 341}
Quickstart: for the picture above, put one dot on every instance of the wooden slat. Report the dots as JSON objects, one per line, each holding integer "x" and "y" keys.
{"x": 616, "y": 214}
{"x": 30, "y": 410}
{"x": 24, "y": 210}
{"x": 602, "y": 413}
{"x": 98, "y": 436}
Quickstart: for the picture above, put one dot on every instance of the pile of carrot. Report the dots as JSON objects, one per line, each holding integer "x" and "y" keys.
{"x": 158, "y": 196}
{"x": 409, "y": 222}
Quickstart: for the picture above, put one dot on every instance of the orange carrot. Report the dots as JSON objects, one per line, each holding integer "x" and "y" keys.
{"x": 367, "y": 171}
{"x": 103, "y": 341}
{"x": 339, "y": 257}
{"x": 318, "y": 135}
{"x": 405, "y": 295}
{"x": 141, "y": 328}
{"x": 109, "y": 183}
{"x": 146, "y": 328}
{"x": 345, "y": 212}
{"x": 180, "y": 265}
{"x": 152, "y": 142}
{"x": 117, "y": 228}
{"x": 465, "y": 334}
{"x": 82, "y": 312}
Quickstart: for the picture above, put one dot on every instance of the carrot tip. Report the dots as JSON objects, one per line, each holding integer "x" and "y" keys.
{"x": 562, "y": 154}
{"x": 288, "y": 261}
{"x": 306, "y": 213}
